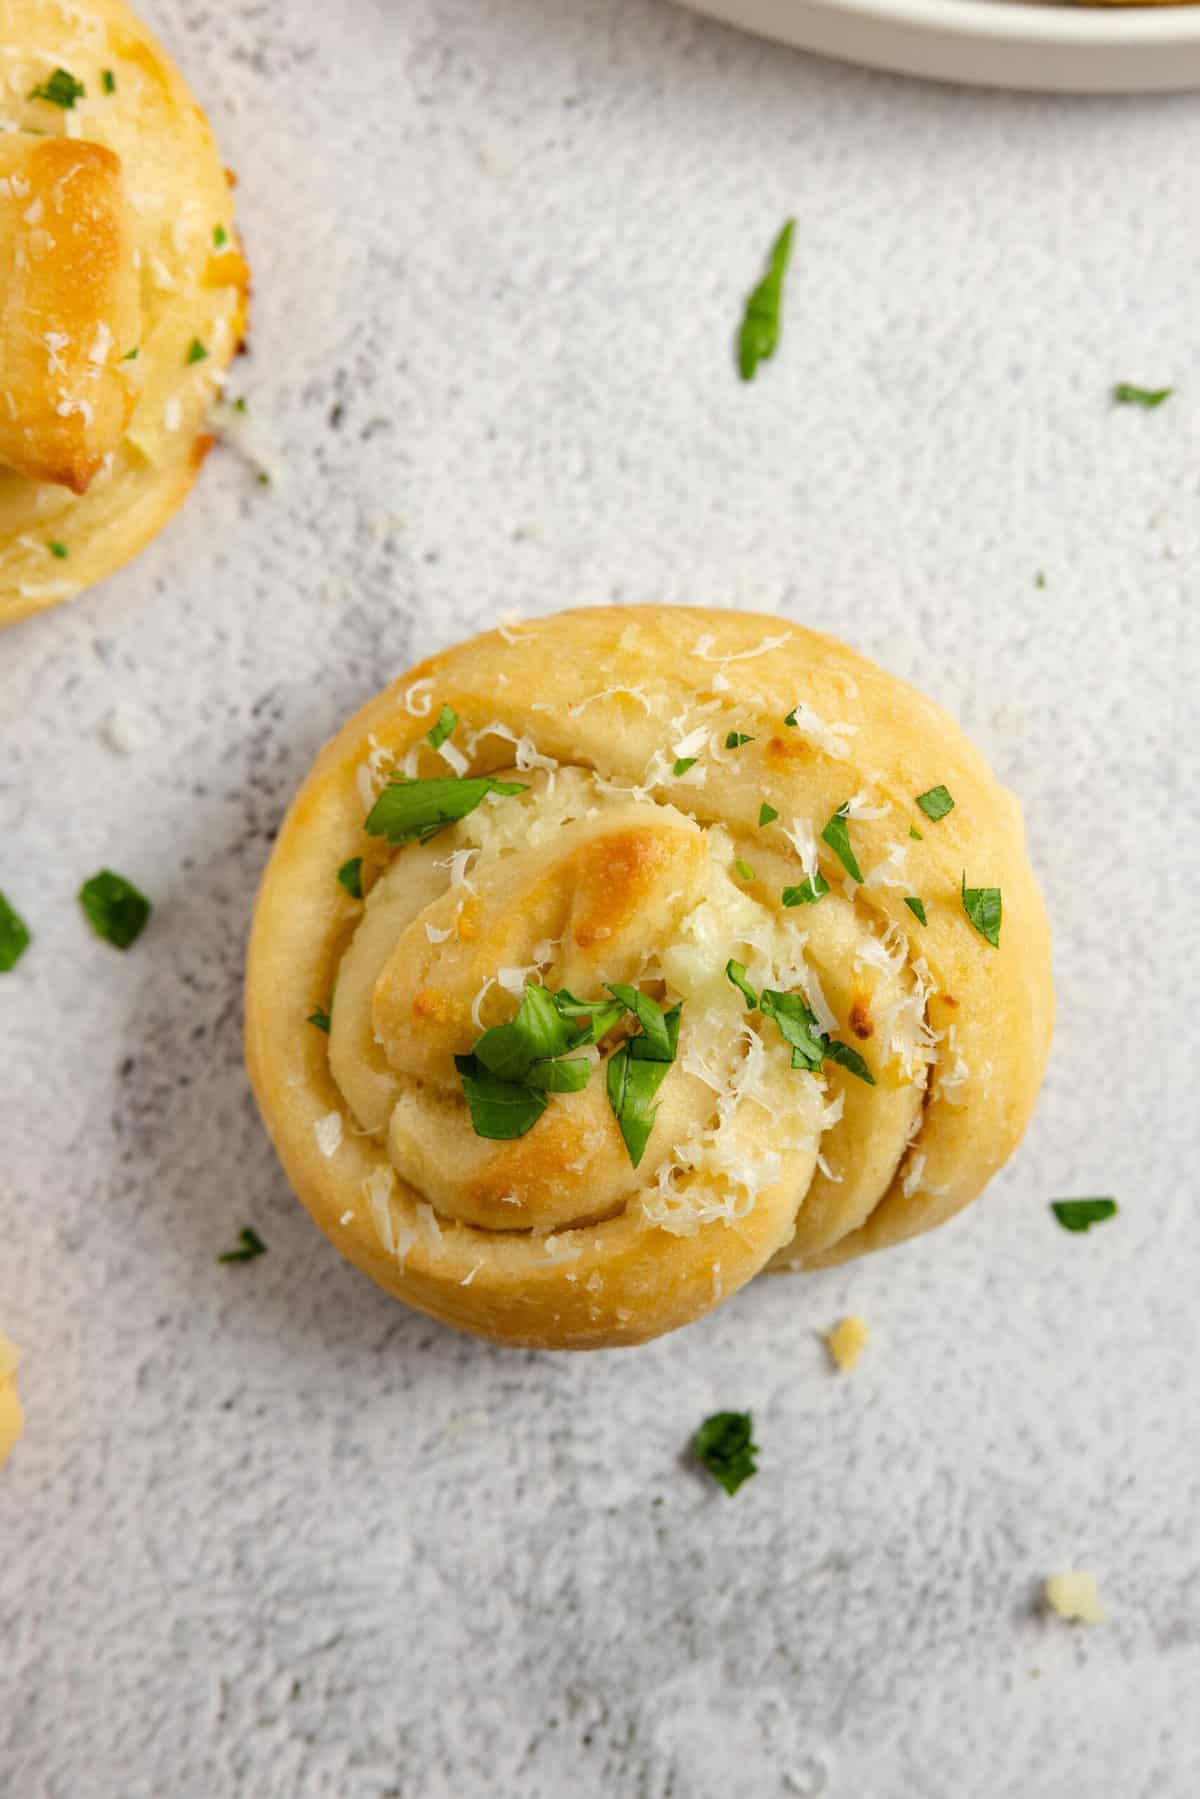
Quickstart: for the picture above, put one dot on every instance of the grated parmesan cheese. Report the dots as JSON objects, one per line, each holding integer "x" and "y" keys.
{"x": 418, "y": 699}
{"x": 1075, "y": 1596}
{"x": 453, "y": 757}
{"x": 328, "y": 1133}
{"x": 846, "y": 1342}
{"x": 827, "y": 737}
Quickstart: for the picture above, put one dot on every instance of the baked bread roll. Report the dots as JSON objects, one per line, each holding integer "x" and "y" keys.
{"x": 124, "y": 294}
{"x": 12, "y": 1419}
{"x": 633, "y": 1005}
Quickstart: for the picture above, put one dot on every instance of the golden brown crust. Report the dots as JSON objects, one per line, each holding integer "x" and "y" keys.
{"x": 611, "y": 867}
{"x": 118, "y": 253}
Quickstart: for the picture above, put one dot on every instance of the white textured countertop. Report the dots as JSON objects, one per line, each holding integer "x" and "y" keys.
{"x": 268, "y": 1533}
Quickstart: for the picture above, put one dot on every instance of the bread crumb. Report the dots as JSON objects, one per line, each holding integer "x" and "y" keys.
{"x": 11, "y": 1416}
{"x": 846, "y": 1342}
{"x": 1074, "y": 1595}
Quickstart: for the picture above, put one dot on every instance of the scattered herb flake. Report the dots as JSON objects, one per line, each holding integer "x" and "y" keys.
{"x": 569, "y": 1075}
{"x": 797, "y": 1026}
{"x": 811, "y": 889}
{"x": 1039, "y": 580}
{"x": 197, "y": 352}
{"x": 350, "y": 876}
{"x": 220, "y": 237}
{"x": 791, "y": 719}
{"x": 501, "y": 1110}
{"x": 917, "y": 908}
{"x": 108, "y": 81}
{"x": 660, "y": 1028}
{"x": 633, "y": 1086}
{"x": 725, "y": 1445}
{"x": 935, "y": 803}
{"x": 250, "y": 1245}
{"x": 1126, "y": 394}
{"x": 537, "y": 1032}
{"x": 131, "y": 355}
{"x": 848, "y": 1058}
{"x": 58, "y": 549}
{"x": 682, "y": 764}
{"x": 917, "y": 836}
{"x": 447, "y": 719}
{"x": 743, "y": 870}
{"x": 837, "y": 835}
{"x": 114, "y": 908}
{"x": 766, "y": 815}
{"x": 759, "y": 334}
{"x": 320, "y": 1017}
{"x": 14, "y": 936}
{"x": 1082, "y": 1214}
{"x": 736, "y": 972}
{"x": 61, "y": 89}
{"x": 735, "y": 739}
{"x": 417, "y": 809}
{"x": 982, "y": 907}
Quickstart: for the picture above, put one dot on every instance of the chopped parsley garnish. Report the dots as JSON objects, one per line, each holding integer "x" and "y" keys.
{"x": 736, "y": 972}
{"x": 14, "y": 936}
{"x": 682, "y": 764}
{"x": 743, "y": 870}
{"x": 812, "y": 888}
{"x": 759, "y": 335}
{"x": 766, "y": 815}
{"x": 61, "y": 89}
{"x": 108, "y": 81}
{"x": 1039, "y": 580}
{"x": 726, "y": 1447}
{"x": 982, "y": 907}
{"x": 350, "y": 876}
{"x": 1125, "y": 394}
{"x": 660, "y": 1032}
{"x": 250, "y": 1245}
{"x": 917, "y": 836}
{"x": 917, "y": 908}
{"x": 197, "y": 352}
{"x": 131, "y": 355}
{"x": 637, "y": 1070}
{"x": 114, "y": 908}
{"x": 848, "y": 1058}
{"x": 935, "y": 803}
{"x": 837, "y": 835}
{"x": 791, "y": 719}
{"x": 735, "y": 739}
{"x": 447, "y": 719}
{"x": 220, "y": 237}
{"x": 320, "y": 1017}
{"x": 500, "y": 1110}
{"x": 417, "y": 809}
{"x": 539, "y": 1030}
{"x": 58, "y": 549}
{"x": 1082, "y": 1214}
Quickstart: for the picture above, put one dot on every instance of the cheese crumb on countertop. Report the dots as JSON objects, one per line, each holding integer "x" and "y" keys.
{"x": 1075, "y": 1596}
{"x": 846, "y": 1342}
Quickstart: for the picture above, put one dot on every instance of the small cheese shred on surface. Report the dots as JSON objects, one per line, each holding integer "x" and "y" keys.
{"x": 846, "y": 1342}
{"x": 328, "y": 1133}
{"x": 1075, "y": 1596}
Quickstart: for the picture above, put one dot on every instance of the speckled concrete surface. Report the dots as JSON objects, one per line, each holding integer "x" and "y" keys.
{"x": 269, "y": 1534}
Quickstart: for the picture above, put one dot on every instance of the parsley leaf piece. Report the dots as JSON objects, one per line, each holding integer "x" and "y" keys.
{"x": 196, "y": 352}
{"x": 1039, "y": 580}
{"x": 633, "y": 1085}
{"x": 917, "y": 908}
{"x": 811, "y": 889}
{"x": 408, "y": 809}
{"x": 569, "y": 1075}
{"x": 654, "y": 1022}
{"x": 725, "y": 1445}
{"x": 447, "y": 719}
{"x": 791, "y": 719}
{"x": 131, "y": 355}
{"x": 916, "y": 835}
{"x": 350, "y": 876}
{"x": 501, "y": 1110}
{"x": 1125, "y": 394}
{"x": 982, "y": 907}
{"x": 14, "y": 936}
{"x": 935, "y": 803}
{"x": 220, "y": 237}
{"x": 61, "y": 89}
{"x": 1082, "y": 1214}
{"x": 250, "y": 1245}
{"x": 736, "y": 972}
{"x": 743, "y": 870}
{"x": 766, "y": 815}
{"x": 682, "y": 764}
{"x": 837, "y": 835}
{"x": 735, "y": 739}
{"x": 759, "y": 335}
{"x": 321, "y": 1018}
{"x": 539, "y": 1031}
{"x": 114, "y": 908}
{"x": 603, "y": 1013}
{"x": 848, "y": 1058}
{"x": 797, "y": 1026}
{"x": 108, "y": 81}
{"x": 58, "y": 549}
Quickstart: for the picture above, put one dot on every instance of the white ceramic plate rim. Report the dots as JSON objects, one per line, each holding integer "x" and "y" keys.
{"x": 1055, "y": 24}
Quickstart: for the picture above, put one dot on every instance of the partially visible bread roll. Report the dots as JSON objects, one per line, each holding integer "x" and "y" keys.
{"x": 635, "y": 1003}
{"x": 12, "y": 1419}
{"x": 124, "y": 294}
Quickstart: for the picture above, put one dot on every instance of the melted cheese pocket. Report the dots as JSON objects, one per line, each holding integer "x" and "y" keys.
{"x": 604, "y": 963}
{"x": 125, "y": 294}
